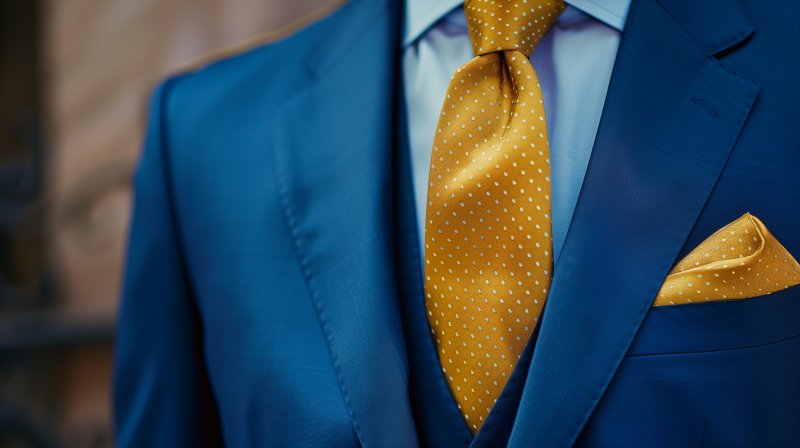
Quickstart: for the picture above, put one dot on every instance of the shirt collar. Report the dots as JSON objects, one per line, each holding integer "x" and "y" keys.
{"x": 422, "y": 14}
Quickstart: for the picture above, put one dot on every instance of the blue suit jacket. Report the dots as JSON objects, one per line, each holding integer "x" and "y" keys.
{"x": 273, "y": 295}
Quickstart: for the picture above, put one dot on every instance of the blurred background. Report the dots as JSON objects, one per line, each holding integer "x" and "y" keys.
{"x": 75, "y": 79}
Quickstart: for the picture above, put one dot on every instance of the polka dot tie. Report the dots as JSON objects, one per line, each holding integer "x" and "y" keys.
{"x": 488, "y": 237}
{"x": 740, "y": 261}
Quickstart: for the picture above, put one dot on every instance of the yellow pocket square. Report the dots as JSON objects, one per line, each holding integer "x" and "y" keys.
{"x": 739, "y": 261}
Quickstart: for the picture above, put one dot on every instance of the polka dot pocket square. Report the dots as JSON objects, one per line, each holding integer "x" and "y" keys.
{"x": 742, "y": 260}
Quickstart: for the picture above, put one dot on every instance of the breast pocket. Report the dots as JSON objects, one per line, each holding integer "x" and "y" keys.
{"x": 723, "y": 325}
{"x": 731, "y": 368}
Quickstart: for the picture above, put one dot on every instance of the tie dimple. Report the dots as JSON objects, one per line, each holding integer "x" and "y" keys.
{"x": 488, "y": 243}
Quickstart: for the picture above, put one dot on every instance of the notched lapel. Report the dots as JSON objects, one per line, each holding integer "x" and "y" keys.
{"x": 671, "y": 118}
{"x": 333, "y": 148}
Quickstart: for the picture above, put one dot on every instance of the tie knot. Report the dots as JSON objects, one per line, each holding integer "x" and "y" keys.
{"x": 497, "y": 25}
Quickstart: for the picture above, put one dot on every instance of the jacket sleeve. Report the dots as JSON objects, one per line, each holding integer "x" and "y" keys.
{"x": 162, "y": 395}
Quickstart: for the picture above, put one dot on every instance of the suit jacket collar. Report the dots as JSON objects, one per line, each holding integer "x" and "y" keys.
{"x": 671, "y": 118}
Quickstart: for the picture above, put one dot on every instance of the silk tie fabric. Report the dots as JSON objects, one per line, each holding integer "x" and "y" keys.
{"x": 740, "y": 261}
{"x": 488, "y": 237}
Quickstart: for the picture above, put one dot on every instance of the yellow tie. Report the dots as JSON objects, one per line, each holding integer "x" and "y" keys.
{"x": 488, "y": 243}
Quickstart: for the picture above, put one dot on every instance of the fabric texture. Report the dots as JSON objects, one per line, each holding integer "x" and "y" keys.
{"x": 487, "y": 274}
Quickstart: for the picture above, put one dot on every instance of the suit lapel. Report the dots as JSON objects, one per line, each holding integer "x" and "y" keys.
{"x": 671, "y": 118}
{"x": 333, "y": 145}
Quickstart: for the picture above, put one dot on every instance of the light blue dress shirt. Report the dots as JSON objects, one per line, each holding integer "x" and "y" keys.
{"x": 573, "y": 62}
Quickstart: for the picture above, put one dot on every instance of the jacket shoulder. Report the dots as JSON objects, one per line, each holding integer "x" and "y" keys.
{"x": 294, "y": 35}
{"x": 265, "y": 65}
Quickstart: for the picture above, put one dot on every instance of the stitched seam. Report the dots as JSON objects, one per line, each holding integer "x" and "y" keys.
{"x": 706, "y": 105}
{"x": 714, "y": 351}
{"x": 315, "y": 296}
{"x": 736, "y": 39}
{"x": 283, "y": 192}
{"x": 725, "y": 44}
